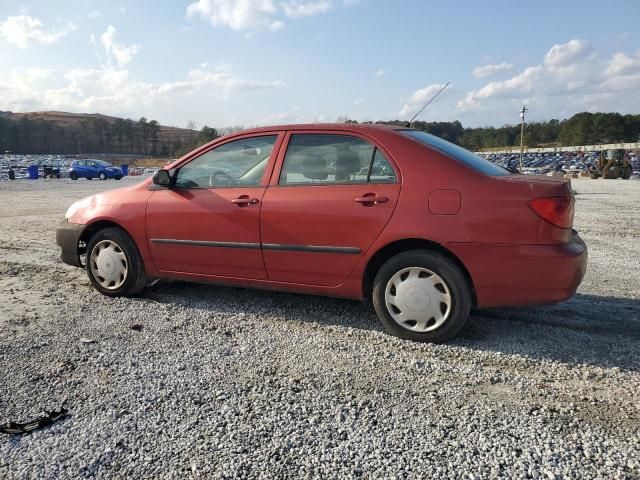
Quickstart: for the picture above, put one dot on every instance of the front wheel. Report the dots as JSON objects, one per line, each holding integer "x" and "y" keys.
{"x": 73, "y": 176}
{"x": 114, "y": 264}
{"x": 422, "y": 295}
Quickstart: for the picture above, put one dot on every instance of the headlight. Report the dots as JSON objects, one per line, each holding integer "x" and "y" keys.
{"x": 79, "y": 205}
{"x": 71, "y": 210}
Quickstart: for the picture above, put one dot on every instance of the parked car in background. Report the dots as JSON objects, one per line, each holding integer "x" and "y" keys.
{"x": 423, "y": 228}
{"x": 90, "y": 169}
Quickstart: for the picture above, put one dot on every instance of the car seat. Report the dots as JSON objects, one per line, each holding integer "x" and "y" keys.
{"x": 347, "y": 163}
{"x": 314, "y": 167}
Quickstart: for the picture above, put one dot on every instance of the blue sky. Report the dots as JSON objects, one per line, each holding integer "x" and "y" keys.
{"x": 254, "y": 62}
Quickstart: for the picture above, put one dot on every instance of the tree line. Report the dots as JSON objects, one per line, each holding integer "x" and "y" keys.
{"x": 144, "y": 137}
{"x": 90, "y": 135}
{"x": 581, "y": 129}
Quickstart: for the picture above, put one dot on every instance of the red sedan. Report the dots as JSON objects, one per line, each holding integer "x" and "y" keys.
{"x": 423, "y": 228}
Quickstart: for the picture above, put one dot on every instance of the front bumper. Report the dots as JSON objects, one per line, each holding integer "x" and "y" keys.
{"x": 68, "y": 237}
{"x": 508, "y": 275}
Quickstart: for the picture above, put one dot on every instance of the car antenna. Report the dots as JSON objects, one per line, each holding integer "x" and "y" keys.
{"x": 427, "y": 104}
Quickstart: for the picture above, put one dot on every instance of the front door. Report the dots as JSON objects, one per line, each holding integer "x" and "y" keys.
{"x": 332, "y": 198}
{"x": 209, "y": 222}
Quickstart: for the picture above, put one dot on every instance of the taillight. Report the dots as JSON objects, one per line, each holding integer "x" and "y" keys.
{"x": 557, "y": 211}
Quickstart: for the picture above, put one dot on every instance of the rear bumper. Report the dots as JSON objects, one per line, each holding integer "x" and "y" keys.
{"x": 506, "y": 275}
{"x": 67, "y": 237}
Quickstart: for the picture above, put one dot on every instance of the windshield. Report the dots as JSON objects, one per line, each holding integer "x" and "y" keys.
{"x": 465, "y": 156}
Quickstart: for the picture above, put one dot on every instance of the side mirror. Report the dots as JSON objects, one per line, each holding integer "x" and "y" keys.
{"x": 162, "y": 178}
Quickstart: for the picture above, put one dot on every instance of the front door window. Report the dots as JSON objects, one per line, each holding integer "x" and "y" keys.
{"x": 240, "y": 163}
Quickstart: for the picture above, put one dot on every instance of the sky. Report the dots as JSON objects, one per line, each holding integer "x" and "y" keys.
{"x": 227, "y": 63}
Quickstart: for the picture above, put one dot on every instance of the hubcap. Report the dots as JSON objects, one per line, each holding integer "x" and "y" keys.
{"x": 418, "y": 299}
{"x": 109, "y": 264}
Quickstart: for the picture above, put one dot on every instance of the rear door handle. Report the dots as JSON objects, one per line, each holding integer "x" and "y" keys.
{"x": 244, "y": 200}
{"x": 371, "y": 198}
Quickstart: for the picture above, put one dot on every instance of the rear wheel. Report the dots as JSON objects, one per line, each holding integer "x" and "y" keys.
{"x": 73, "y": 176}
{"x": 422, "y": 295}
{"x": 103, "y": 176}
{"x": 114, "y": 264}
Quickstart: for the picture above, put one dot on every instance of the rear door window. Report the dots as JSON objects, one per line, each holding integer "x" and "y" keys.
{"x": 325, "y": 159}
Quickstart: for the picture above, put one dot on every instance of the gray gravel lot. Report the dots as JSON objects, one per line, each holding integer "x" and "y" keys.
{"x": 225, "y": 382}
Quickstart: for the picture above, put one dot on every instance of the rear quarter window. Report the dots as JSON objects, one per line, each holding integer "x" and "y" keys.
{"x": 454, "y": 151}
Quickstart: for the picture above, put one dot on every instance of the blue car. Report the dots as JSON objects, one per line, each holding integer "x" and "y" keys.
{"x": 93, "y": 169}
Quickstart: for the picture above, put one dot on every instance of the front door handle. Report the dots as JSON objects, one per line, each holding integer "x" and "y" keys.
{"x": 244, "y": 200}
{"x": 369, "y": 199}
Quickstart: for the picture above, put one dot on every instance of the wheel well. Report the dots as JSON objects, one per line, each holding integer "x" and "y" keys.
{"x": 90, "y": 231}
{"x": 388, "y": 251}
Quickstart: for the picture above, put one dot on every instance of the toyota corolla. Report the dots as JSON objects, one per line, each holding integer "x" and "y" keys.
{"x": 422, "y": 228}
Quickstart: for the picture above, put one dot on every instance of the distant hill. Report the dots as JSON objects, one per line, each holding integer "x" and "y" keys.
{"x": 79, "y": 133}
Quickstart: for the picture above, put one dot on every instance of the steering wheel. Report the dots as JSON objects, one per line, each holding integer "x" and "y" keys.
{"x": 225, "y": 179}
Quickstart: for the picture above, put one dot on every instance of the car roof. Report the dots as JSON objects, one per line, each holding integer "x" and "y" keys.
{"x": 324, "y": 126}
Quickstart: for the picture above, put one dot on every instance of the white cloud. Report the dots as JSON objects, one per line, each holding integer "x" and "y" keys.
{"x": 220, "y": 79}
{"x": 623, "y": 64}
{"x": 485, "y": 71}
{"x": 419, "y": 98}
{"x": 570, "y": 78}
{"x": 304, "y": 8}
{"x": 254, "y": 15}
{"x": 21, "y": 87}
{"x": 22, "y": 30}
{"x": 380, "y": 73}
{"x": 277, "y": 25}
{"x": 112, "y": 90}
{"x": 520, "y": 84}
{"x": 569, "y": 53}
{"x": 120, "y": 52}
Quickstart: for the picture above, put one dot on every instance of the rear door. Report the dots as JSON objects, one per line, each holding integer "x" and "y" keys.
{"x": 209, "y": 223}
{"x": 329, "y": 198}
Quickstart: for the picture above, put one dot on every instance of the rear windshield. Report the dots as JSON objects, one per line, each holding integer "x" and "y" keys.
{"x": 465, "y": 156}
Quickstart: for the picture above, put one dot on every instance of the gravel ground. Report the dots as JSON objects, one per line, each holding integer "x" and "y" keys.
{"x": 223, "y": 382}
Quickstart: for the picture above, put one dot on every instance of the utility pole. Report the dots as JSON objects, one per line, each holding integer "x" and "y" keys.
{"x": 522, "y": 112}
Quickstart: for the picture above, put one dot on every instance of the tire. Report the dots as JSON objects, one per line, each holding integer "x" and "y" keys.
{"x": 89, "y": 178}
{"x": 103, "y": 176}
{"x": 116, "y": 246}
{"x": 432, "y": 276}
{"x": 118, "y": 178}
{"x": 73, "y": 176}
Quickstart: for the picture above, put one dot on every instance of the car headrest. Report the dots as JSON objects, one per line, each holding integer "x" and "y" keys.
{"x": 347, "y": 163}
{"x": 314, "y": 167}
